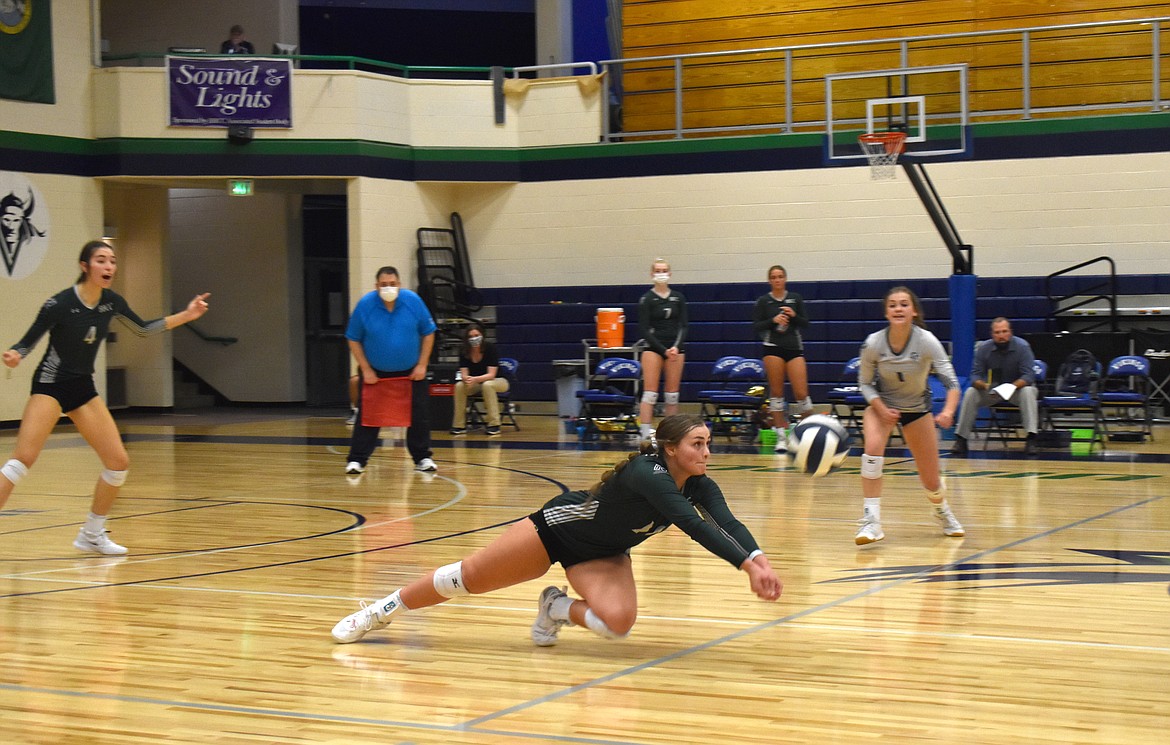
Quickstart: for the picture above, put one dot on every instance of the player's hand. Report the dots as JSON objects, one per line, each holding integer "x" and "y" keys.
{"x": 419, "y": 372}
{"x": 765, "y": 582}
{"x": 945, "y": 419}
{"x": 198, "y": 305}
{"x": 12, "y": 357}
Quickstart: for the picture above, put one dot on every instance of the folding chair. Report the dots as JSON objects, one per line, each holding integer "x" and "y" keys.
{"x": 1124, "y": 392}
{"x": 1004, "y": 417}
{"x": 846, "y": 399}
{"x": 720, "y": 370}
{"x": 1078, "y": 408}
{"x": 477, "y": 415}
{"x": 613, "y": 408}
{"x": 738, "y": 409}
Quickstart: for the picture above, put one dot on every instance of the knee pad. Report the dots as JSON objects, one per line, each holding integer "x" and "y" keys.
{"x": 650, "y": 397}
{"x": 597, "y": 626}
{"x": 449, "y": 580}
{"x": 14, "y": 471}
{"x": 871, "y": 466}
{"x": 114, "y": 478}
{"x": 777, "y": 405}
{"x": 671, "y": 398}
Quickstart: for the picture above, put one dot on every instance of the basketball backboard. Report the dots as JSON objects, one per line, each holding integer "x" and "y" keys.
{"x": 929, "y": 104}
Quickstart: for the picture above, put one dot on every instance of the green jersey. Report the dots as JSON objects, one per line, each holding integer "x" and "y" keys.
{"x": 640, "y": 501}
{"x": 75, "y": 332}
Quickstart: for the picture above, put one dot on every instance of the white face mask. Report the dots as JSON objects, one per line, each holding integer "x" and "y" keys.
{"x": 475, "y": 341}
{"x": 388, "y": 294}
{"x": 661, "y": 278}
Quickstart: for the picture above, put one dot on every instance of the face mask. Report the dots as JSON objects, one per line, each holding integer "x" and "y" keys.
{"x": 661, "y": 279}
{"x": 475, "y": 341}
{"x": 388, "y": 294}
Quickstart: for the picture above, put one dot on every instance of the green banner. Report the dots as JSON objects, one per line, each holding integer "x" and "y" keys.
{"x": 26, "y": 51}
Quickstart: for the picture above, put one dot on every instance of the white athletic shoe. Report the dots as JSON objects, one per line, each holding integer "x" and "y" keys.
{"x": 545, "y": 627}
{"x": 98, "y": 544}
{"x": 950, "y": 525}
{"x": 353, "y": 468}
{"x": 352, "y": 418}
{"x": 782, "y": 440}
{"x": 426, "y": 465}
{"x": 870, "y": 532}
{"x": 357, "y": 624}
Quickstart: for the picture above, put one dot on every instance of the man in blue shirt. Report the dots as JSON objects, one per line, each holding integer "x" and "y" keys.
{"x": 391, "y": 334}
{"x": 1002, "y": 360}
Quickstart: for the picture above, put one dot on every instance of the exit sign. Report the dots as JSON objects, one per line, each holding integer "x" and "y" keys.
{"x": 240, "y": 187}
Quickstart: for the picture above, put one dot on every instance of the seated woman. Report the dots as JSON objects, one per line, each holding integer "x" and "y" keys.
{"x": 479, "y": 367}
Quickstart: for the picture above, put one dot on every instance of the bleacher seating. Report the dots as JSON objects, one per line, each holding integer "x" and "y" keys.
{"x": 537, "y": 325}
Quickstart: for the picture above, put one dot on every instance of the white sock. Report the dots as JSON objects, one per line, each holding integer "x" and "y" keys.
{"x": 559, "y": 609}
{"x": 646, "y": 429}
{"x": 939, "y": 507}
{"x": 873, "y": 508}
{"x": 94, "y": 524}
{"x": 390, "y": 605}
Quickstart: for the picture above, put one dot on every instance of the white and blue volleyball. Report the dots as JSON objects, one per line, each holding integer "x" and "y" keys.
{"x": 818, "y": 444}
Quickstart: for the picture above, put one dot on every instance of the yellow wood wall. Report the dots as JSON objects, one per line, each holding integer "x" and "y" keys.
{"x": 1074, "y": 67}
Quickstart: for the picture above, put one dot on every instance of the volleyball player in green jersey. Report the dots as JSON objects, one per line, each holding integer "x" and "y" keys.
{"x": 662, "y": 323}
{"x": 590, "y": 533}
{"x": 777, "y": 319}
{"x": 77, "y": 319}
{"x": 895, "y": 365}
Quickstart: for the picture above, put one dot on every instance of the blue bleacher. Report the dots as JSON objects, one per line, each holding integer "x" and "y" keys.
{"x": 536, "y": 325}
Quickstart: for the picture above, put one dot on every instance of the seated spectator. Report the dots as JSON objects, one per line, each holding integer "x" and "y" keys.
{"x": 479, "y": 367}
{"x": 236, "y": 43}
{"x": 1002, "y": 360}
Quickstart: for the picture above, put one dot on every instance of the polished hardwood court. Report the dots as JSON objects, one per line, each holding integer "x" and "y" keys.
{"x": 1048, "y": 623}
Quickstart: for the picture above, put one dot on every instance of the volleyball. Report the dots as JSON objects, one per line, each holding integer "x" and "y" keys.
{"x": 818, "y": 444}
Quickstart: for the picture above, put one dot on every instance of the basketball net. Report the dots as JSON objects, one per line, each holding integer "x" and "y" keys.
{"x": 882, "y": 149}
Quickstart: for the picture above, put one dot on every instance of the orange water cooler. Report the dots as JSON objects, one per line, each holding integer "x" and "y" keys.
{"x": 611, "y": 327}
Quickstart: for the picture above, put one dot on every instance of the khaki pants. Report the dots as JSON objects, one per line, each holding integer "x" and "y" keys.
{"x": 489, "y": 390}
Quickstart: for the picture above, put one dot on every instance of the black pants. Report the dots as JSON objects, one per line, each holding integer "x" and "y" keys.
{"x": 418, "y": 436}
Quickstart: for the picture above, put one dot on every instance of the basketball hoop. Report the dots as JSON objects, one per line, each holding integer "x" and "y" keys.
{"x": 882, "y": 149}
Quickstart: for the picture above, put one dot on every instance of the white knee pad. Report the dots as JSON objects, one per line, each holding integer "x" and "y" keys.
{"x": 871, "y": 466}
{"x": 597, "y": 626}
{"x": 670, "y": 398}
{"x": 650, "y": 397}
{"x": 777, "y": 404}
{"x": 114, "y": 478}
{"x": 449, "y": 580}
{"x": 14, "y": 471}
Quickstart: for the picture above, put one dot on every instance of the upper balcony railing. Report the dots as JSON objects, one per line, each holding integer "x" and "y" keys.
{"x": 1106, "y": 67}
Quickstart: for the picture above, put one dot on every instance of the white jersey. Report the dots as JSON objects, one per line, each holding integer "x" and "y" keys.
{"x": 901, "y": 378}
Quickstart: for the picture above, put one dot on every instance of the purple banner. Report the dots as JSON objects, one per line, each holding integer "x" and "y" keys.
{"x": 225, "y": 91}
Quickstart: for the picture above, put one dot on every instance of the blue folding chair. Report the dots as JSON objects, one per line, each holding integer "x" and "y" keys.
{"x": 737, "y": 410}
{"x": 611, "y": 406}
{"x": 1125, "y": 397}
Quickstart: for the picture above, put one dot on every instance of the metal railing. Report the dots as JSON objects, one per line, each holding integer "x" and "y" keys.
{"x": 1092, "y": 289}
{"x": 318, "y": 61}
{"x": 786, "y": 69}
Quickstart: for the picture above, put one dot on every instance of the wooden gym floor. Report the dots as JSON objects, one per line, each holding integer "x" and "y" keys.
{"x": 1048, "y": 623}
